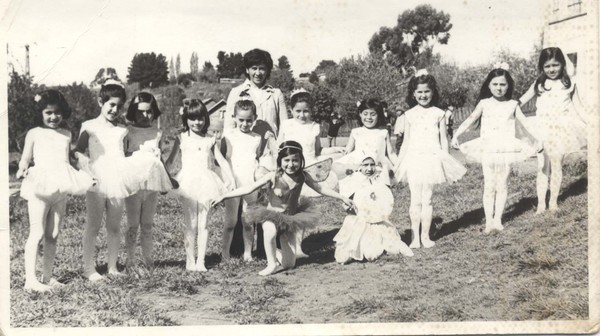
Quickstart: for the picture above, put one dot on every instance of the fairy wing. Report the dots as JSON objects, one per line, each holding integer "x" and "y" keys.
{"x": 319, "y": 171}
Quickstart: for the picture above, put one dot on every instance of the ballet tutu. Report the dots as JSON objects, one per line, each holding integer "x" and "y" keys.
{"x": 359, "y": 239}
{"x": 47, "y": 180}
{"x": 433, "y": 168}
{"x": 305, "y": 217}
{"x": 202, "y": 185}
{"x": 118, "y": 177}
{"x": 561, "y": 134}
{"x": 153, "y": 171}
{"x": 497, "y": 150}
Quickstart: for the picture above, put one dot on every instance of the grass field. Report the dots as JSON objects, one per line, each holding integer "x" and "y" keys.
{"x": 536, "y": 269}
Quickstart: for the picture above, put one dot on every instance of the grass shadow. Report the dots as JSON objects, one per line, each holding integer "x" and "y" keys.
{"x": 320, "y": 248}
{"x": 469, "y": 218}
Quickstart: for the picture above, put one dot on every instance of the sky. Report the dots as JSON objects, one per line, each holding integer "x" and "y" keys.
{"x": 70, "y": 40}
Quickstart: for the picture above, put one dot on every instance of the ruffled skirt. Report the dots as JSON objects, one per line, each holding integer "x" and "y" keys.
{"x": 305, "y": 217}
{"x": 358, "y": 240}
{"x": 201, "y": 185}
{"x": 497, "y": 151}
{"x": 561, "y": 133}
{"x": 433, "y": 168}
{"x": 153, "y": 170}
{"x": 62, "y": 178}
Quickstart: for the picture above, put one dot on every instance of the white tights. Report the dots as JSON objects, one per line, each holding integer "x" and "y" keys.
{"x": 232, "y": 207}
{"x": 195, "y": 216}
{"x": 420, "y": 212}
{"x": 495, "y": 191}
{"x": 549, "y": 168}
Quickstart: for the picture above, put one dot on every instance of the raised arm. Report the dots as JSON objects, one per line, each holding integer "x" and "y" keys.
{"x": 471, "y": 119}
{"x": 26, "y": 156}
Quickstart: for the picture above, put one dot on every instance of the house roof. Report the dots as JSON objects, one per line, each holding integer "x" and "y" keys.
{"x": 213, "y": 106}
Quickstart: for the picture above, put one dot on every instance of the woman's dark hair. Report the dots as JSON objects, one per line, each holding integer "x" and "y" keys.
{"x": 423, "y": 79}
{"x": 256, "y": 57}
{"x": 194, "y": 109}
{"x": 290, "y": 148}
{"x": 375, "y": 104}
{"x": 485, "y": 87}
{"x": 142, "y": 97}
{"x": 546, "y": 55}
{"x": 301, "y": 97}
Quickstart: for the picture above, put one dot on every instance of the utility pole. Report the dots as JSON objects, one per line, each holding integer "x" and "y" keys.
{"x": 27, "y": 60}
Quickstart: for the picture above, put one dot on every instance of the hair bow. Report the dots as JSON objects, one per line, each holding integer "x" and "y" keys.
{"x": 421, "y": 72}
{"x": 358, "y": 103}
{"x": 37, "y": 98}
{"x": 501, "y": 65}
{"x": 181, "y": 110}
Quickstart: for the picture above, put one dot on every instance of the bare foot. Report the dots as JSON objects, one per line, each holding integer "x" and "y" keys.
{"x": 488, "y": 229}
{"x": 278, "y": 255}
{"x": 427, "y": 243}
{"x": 540, "y": 209}
{"x": 553, "y": 207}
{"x": 248, "y": 257}
{"x": 95, "y": 277}
{"x": 225, "y": 256}
{"x": 498, "y": 225}
{"x": 36, "y": 286}
{"x": 406, "y": 251}
{"x": 415, "y": 244}
{"x": 190, "y": 266}
{"x": 270, "y": 269}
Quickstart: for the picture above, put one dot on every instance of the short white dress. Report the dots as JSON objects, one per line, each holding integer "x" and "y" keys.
{"x": 52, "y": 173}
{"x": 424, "y": 160}
{"x": 497, "y": 144}
{"x": 197, "y": 178}
{"x": 559, "y": 127}
{"x": 144, "y": 143}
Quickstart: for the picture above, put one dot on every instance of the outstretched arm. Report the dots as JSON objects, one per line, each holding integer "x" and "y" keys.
{"x": 471, "y": 119}
{"x": 326, "y": 191}
{"x": 225, "y": 168}
{"x": 245, "y": 190}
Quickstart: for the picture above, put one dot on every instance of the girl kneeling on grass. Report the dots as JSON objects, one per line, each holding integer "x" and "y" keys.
{"x": 285, "y": 213}
{"x": 47, "y": 184}
{"x": 368, "y": 233}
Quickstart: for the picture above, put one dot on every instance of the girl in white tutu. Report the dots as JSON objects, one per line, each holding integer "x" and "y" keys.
{"x": 560, "y": 125}
{"x": 243, "y": 148}
{"x": 368, "y": 233}
{"x": 424, "y": 160}
{"x": 302, "y": 129}
{"x": 143, "y": 141}
{"x": 47, "y": 183}
{"x": 118, "y": 177}
{"x": 372, "y": 136}
{"x": 198, "y": 181}
{"x": 285, "y": 212}
{"x": 496, "y": 148}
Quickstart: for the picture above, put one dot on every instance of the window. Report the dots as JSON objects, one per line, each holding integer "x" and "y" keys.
{"x": 574, "y": 6}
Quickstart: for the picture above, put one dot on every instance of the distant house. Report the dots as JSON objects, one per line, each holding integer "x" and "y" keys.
{"x": 231, "y": 80}
{"x": 572, "y": 25}
{"x": 216, "y": 112}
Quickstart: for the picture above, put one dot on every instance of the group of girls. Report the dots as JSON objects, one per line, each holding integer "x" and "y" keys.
{"x": 261, "y": 176}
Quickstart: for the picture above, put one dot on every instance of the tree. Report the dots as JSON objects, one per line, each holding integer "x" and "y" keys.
{"x": 313, "y": 78}
{"x": 208, "y": 74}
{"x": 102, "y": 75}
{"x": 284, "y": 64}
{"x": 324, "y": 103}
{"x": 148, "y": 69}
{"x": 185, "y": 79}
{"x": 230, "y": 65}
{"x": 178, "y": 65}
{"x": 83, "y": 103}
{"x": 283, "y": 80}
{"x": 21, "y": 109}
{"x": 325, "y": 66}
{"x": 194, "y": 70}
{"x": 423, "y": 28}
{"x": 172, "y": 76}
